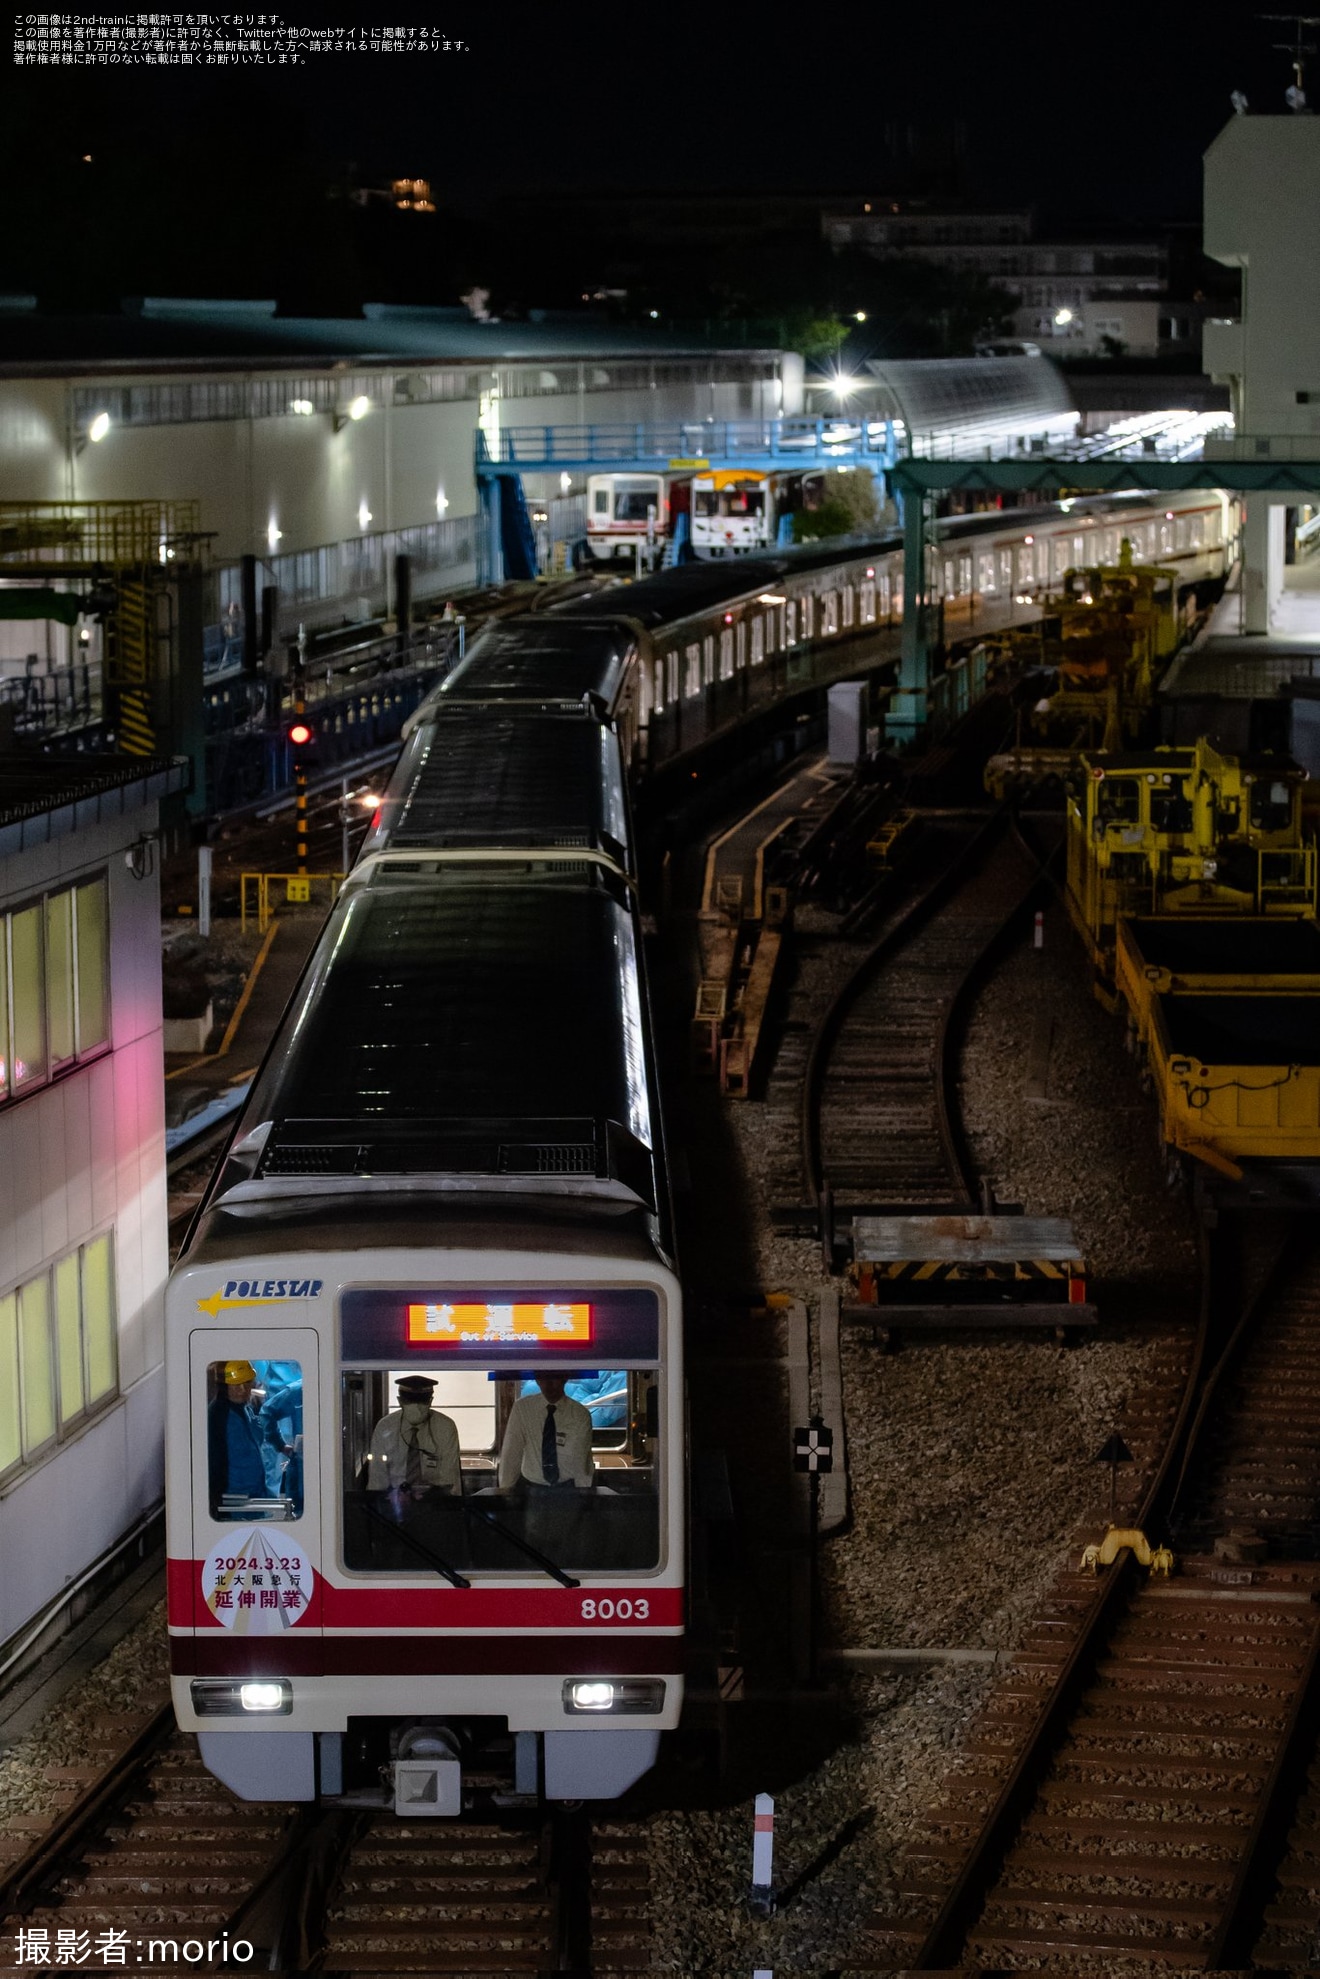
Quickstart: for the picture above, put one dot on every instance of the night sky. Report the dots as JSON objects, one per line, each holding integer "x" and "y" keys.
{"x": 1101, "y": 109}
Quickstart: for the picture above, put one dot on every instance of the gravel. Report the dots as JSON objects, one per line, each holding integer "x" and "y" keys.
{"x": 133, "y": 1676}
{"x": 971, "y": 1460}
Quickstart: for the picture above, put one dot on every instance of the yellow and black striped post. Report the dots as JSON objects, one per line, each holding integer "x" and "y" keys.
{"x": 300, "y": 736}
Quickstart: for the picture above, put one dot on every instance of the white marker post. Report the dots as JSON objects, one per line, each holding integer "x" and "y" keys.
{"x": 762, "y": 1902}
{"x": 203, "y": 889}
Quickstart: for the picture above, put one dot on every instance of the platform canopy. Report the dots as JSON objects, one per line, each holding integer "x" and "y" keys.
{"x": 972, "y": 401}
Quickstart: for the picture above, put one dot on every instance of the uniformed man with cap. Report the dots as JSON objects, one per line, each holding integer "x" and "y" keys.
{"x": 414, "y": 1449}
{"x": 236, "y": 1464}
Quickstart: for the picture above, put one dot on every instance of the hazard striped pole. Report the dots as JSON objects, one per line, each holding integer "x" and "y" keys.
{"x": 763, "y": 1856}
{"x": 300, "y": 771}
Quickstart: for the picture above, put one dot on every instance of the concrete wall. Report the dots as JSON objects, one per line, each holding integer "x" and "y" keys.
{"x": 1262, "y": 215}
{"x": 81, "y": 1156}
{"x": 309, "y": 482}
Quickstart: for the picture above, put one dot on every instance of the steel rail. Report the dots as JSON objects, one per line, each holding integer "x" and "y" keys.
{"x": 890, "y": 943}
{"x": 21, "y": 1885}
{"x": 945, "y": 1939}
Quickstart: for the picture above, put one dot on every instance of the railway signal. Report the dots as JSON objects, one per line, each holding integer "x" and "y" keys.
{"x": 301, "y": 735}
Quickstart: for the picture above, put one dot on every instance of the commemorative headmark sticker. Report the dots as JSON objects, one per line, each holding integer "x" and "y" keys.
{"x": 257, "y": 1582}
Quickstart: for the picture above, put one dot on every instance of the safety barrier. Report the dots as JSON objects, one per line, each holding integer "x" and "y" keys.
{"x": 297, "y": 893}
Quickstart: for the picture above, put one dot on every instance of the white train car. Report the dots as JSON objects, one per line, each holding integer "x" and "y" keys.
{"x": 443, "y": 1218}
{"x": 626, "y": 512}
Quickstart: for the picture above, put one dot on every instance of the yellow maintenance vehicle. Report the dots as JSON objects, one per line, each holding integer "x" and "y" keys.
{"x": 1184, "y": 831}
{"x": 1089, "y": 668}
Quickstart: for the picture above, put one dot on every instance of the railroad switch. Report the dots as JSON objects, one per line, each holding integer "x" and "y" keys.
{"x": 1158, "y": 1558}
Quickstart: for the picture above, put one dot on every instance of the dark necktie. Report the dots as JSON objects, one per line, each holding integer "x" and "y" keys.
{"x": 549, "y": 1448}
{"x": 412, "y": 1474}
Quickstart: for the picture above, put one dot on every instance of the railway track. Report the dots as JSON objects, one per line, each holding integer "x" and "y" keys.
{"x": 154, "y": 1857}
{"x": 1138, "y": 1795}
{"x": 879, "y": 1118}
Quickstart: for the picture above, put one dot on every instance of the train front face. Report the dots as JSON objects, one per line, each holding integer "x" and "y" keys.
{"x": 390, "y": 1565}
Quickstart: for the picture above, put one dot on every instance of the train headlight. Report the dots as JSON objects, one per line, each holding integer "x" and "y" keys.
{"x": 236, "y": 1697}
{"x": 632, "y": 1696}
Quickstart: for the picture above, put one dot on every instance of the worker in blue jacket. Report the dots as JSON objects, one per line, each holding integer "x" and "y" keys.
{"x": 235, "y": 1444}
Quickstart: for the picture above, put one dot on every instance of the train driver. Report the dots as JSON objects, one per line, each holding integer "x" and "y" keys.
{"x": 547, "y": 1443}
{"x": 414, "y": 1449}
{"x": 235, "y": 1457}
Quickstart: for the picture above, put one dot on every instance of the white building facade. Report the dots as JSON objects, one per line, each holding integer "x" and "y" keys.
{"x": 1262, "y": 215}
{"x": 83, "y": 1222}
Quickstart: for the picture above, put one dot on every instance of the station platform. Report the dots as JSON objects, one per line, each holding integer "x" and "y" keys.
{"x": 1225, "y": 661}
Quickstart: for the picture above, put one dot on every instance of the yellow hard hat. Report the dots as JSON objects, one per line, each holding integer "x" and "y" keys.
{"x": 237, "y": 1372}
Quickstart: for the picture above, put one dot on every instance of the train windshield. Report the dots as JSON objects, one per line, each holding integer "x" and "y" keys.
{"x": 733, "y": 501}
{"x": 479, "y": 1468}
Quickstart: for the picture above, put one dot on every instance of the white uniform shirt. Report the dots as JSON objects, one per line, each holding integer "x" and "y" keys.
{"x": 521, "y": 1454}
{"x": 437, "y": 1444}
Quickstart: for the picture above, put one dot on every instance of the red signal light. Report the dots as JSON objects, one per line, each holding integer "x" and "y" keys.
{"x": 299, "y": 734}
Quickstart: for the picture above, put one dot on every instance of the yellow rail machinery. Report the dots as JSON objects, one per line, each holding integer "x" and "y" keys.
{"x": 1237, "y": 1081}
{"x": 1096, "y": 657}
{"x": 1184, "y": 831}
{"x": 1119, "y": 624}
{"x": 1183, "y": 955}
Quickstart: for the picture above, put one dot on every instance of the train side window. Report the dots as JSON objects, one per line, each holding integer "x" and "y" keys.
{"x": 254, "y": 1439}
{"x": 601, "y": 501}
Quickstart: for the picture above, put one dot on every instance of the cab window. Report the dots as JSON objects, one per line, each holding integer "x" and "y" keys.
{"x": 482, "y": 1469}
{"x": 1270, "y": 806}
{"x": 1118, "y": 800}
{"x": 254, "y": 1439}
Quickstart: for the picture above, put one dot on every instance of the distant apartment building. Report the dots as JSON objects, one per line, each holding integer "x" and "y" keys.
{"x": 1075, "y": 298}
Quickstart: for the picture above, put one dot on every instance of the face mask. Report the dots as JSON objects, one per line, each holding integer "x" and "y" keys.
{"x": 416, "y": 1412}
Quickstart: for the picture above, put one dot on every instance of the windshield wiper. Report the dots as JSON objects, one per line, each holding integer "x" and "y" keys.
{"x": 436, "y": 1560}
{"x": 524, "y": 1546}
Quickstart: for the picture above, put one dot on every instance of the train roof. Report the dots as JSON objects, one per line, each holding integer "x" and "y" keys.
{"x": 466, "y": 1021}
{"x": 472, "y": 776}
{"x": 542, "y": 660}
{"x": 686, "y": 589}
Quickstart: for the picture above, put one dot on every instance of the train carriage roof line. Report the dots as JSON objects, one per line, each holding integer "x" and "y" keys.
{"x": 480, "y": 1156}
{"x": 442, "y": 1001}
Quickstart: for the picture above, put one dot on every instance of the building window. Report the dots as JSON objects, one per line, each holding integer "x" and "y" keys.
{"x": 57, "y": 1351}
{"x": 54, "y": 985}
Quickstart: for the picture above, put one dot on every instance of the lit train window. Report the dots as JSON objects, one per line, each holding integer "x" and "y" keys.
{"x": 829, "y": 614}
{"x": 985, "y": 568}
{"x": 740, "y": 644}
{"x": 868, "y": 603}
{"x": 254, "y": 1439}
{"x": 849, "y": 606}
{"x": 1198, "y": 534}
{"x": 672, "y": 664}
{"x": 691, "y": 671}
{"x": 707, "y": 660}
{"x": 659, "y": 685}
{"x": 758, "y": 640}
{"x": 790, "y": 622}
{"x": 494, "y": 1469}
{"x": 726, "y": 654}
{"x": 809, "y": 617}
{"x": 949, "y": 578}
